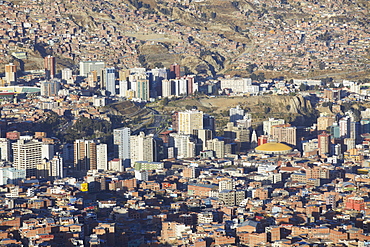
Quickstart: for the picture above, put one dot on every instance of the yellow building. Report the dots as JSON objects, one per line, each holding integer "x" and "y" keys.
{"x": 273, "y": 148}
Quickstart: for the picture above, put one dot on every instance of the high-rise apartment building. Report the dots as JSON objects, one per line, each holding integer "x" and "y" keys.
{"x": 10, "y": 74}
{"x": 158, "y": 75}
{"x": 144, "y": 147}
{"x": 52, "y": 169}
{"x": 142, "y": 88}
{"x": 110, "y": 80}
{"x": 68, "y": 153}
{"x": 175, "y": 71}
{"x": 181, "y": 86}
{"x": 236, "y": 113}
{"x": 101, "y": 75}
{"x": 121, "y": 141}
{"x": 217, "y": 146}
{"x": 349, "y": 143}
{"x": 102, "y": 156}
{"x": 285, "y": 133}
{"x": 335, "y": 130}
{"x": 11, "y": 175}
{"x": 5, "y": 149}
{"x": 189, "y": 121}
{"x": 237, "y": 85}
{"x": 50, "y": 88}
{"x": 66, "y": 74}
{"x": 139, "y": 84}
{"x": 271, "y": 122}
{"x": 204, "y": 135}
{"x": 355, "y": 133}
{"x": 324, "y": 122}
{"x": 92, "y": 78}
{"x": 324, "y": 143}
{"x": 238, "y": 134}
{"x": 88, "y": 66}
{"x": 123, "y": 88}
{"x": 167, "y": 88}
{"x": 50, "y": 66}
{"x": 345, "y": 126}
{"x": 26, "y": 155}
{"x": 47, "y": 151}
{"x": 190, "y": 82}
{"x": 123, "y": 74}
{"x": 85, "y": 155}
{"x": 56, "y": 167}
{"x": 182, "y": 144}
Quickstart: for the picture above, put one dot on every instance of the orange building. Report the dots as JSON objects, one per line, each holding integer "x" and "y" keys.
{"x": 50, "y": 66}
{"x": 252, "y": 239}
{"x": 355, "y": 203}
{"x": 200, "y": 189}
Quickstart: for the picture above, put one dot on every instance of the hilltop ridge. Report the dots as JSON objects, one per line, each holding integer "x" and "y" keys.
{"x": 288, "y": 37}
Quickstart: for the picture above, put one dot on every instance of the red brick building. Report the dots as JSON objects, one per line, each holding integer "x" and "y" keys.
{"x": 355, "y": 203}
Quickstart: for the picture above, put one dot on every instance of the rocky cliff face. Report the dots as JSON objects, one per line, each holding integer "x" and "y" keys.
{"x": 295, "y": 109}
{"x": 207, "y": 64}
{"x": 298, "y": 105}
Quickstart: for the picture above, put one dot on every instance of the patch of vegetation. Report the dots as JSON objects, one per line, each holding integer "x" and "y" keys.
{"x": 87, "y": 128}
{"x": 51, "y": 123}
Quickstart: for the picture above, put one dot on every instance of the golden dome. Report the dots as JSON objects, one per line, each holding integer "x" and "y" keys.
{"x": 273, "y": 147}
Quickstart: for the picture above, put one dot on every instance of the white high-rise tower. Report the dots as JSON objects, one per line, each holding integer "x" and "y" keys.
{"x": 121, "y": 139}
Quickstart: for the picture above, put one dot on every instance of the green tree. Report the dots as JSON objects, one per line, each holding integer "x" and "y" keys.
{"x": 303, "y": 87}
{"x": 267, "y": 110}
{"x": 261, "y": 77}
{"x": 165, "y": 101}
{"x": 322, "y": 65}
{"x": 86, "y": 128}
{"x": 251, "y": 67}
{"x": 158, "y": 65}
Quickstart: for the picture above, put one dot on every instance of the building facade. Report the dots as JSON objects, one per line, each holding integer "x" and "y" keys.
{"x": 189, "y": 121}
{"x": 85, "y": 155}
{"x": 26, "y": 155}
{"x": 50, "y": 66}
{"x": 121, "y": 141}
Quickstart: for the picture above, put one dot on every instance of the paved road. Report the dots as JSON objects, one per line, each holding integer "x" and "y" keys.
{"x": 159, "y": 122}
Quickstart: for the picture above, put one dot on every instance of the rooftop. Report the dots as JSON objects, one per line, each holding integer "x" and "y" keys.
{"x": 273, "y": 147}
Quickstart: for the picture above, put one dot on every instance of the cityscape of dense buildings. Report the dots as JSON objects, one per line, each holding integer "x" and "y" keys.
{"x": 112, "y": 153}
{"x": 193, "y": 182}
